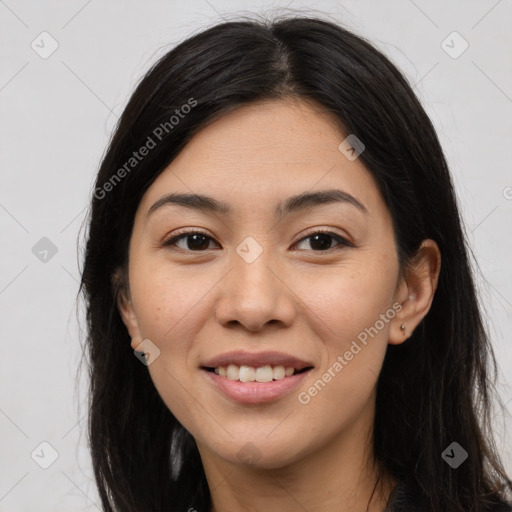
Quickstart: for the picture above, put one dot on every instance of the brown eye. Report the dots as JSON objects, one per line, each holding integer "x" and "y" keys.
{"x": 322, "y": 240}
{"x": 195, "y": 241}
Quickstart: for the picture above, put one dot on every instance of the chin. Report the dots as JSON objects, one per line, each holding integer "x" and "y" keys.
{"x": 261, "y": 453}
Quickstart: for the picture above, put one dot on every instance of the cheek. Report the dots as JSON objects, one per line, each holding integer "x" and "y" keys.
{"x": 353, "y": 355}
{"x": 352, "y": 310}
{"x": 351, "y": 299}
{"x": 167, "y": 301}
{"x": 168, "y": 305}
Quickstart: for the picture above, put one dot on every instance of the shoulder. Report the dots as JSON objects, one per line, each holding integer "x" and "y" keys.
{"x": 404, "y": 498}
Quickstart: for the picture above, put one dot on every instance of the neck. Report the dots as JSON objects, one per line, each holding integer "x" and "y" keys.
{"x": 341, "y": 476}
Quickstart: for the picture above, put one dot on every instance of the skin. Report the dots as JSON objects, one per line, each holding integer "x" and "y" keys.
{"x": 294, "y": 297}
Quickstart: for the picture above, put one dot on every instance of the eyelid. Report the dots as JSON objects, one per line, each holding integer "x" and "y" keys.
{"x": 342, "y": 240}
{"x": 168, "y": 241}
{"x": 328, "y": 231}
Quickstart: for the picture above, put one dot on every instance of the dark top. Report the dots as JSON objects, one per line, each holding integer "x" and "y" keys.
{"x": 404, "y": 499}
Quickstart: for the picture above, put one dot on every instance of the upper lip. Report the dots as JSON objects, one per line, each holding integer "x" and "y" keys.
{"x": 256, "y": 359}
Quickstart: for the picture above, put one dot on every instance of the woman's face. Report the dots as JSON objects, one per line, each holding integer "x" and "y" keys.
{"x": 257, "y": 281}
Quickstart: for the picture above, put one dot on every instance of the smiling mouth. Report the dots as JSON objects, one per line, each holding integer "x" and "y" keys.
{"x": 265, "y": 373}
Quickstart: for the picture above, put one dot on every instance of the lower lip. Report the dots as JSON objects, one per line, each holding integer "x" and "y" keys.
{"x": 255, "y": 392}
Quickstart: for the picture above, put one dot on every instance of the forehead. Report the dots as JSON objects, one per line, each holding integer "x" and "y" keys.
{"x": 258, "y": 154}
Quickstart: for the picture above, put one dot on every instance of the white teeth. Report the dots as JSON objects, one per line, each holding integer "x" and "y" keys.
{"x": 245, "y": 373}
{"x": 264, "y": 374}
{"x": 279, "y": 372}
{"x": 232, "y": 372}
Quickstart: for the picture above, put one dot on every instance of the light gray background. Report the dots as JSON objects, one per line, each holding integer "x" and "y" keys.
{"x": 56, "y": 118}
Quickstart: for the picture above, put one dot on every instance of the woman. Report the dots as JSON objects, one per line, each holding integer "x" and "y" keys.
{"x": 274, "y": 234}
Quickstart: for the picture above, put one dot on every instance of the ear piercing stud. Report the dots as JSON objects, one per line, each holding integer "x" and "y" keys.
{"x": 411, "y": 297}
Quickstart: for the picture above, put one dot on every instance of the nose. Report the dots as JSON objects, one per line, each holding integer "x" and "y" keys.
{"x": 254, "y": 294}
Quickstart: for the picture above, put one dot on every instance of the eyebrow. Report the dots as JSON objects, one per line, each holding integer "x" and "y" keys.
{"x": 289, "y": 205}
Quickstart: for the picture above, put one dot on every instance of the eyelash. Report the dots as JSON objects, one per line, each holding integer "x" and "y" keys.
{"x": 342, "y": 241}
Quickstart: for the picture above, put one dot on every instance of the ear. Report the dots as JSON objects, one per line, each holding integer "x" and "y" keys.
{"x": 125, "y": 306}
{"x": 415, "y": 291}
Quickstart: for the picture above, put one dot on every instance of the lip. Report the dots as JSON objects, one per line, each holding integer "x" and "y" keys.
{"x": 256, "y": 359}
{"x": 254, "y": 392}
